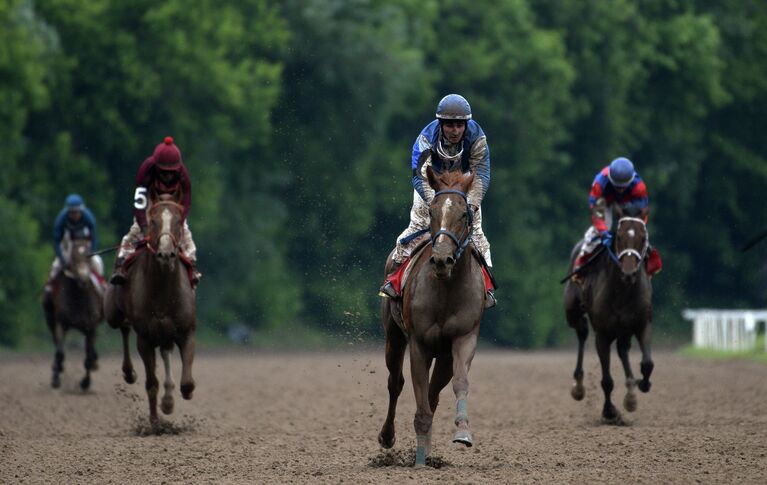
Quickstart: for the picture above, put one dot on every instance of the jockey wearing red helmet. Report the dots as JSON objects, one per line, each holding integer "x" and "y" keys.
{"x": 163, "y": 172}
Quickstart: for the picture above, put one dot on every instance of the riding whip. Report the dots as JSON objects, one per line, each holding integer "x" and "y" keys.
{"x": 591, "y": 260}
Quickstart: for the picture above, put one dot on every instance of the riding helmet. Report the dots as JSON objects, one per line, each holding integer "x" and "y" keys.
{"x": 167, "y": 155}
{"x": 74, "y": 202}
{"x": 621, "y": 172}
{"x": 453, "y": 107}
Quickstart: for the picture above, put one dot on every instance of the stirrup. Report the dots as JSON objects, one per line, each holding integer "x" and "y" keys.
{"x": 387, "y": 291}
{"x": 490, "y": 300}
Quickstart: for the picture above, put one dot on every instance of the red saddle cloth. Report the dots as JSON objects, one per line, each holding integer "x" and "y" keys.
{"x": 654, "y": 262}
{"x": 143, "y": 247}
{"x": 395, "y": 278}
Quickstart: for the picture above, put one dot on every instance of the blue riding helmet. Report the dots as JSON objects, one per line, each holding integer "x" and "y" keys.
{"x": 453, "y": 107}
{"x": 74, "y": 202}
{"x": 621, "y": 172}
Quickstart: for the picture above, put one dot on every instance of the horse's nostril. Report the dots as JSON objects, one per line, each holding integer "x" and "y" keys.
{"x": 450, "y": 260}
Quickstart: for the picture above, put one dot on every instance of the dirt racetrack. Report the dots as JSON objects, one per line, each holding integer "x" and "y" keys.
{"x": 314, "y": 417}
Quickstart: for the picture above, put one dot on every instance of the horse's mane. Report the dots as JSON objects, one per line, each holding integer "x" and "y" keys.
{"x": 449, "y": 179}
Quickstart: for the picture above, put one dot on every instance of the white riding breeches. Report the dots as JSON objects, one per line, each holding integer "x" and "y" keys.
{"x": 97, "y": 265}
{"x": 128, "y": 244}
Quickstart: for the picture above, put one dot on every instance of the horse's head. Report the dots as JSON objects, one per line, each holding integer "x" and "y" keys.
{"x": 78, "y": 260}
{"x": 451, "y": 218}
{"x": 165, "y": 226}
{"x": 631, "y": 241}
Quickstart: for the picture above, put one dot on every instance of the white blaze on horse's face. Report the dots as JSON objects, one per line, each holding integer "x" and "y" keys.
{"x": 166, "y": 241}
{"x": 445, "y": 209}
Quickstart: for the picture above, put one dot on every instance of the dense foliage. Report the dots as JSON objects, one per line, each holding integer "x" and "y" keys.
{"x": 296, "y": 120}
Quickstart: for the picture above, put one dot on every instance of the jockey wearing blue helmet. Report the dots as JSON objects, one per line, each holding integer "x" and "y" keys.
{"x": 75, "y": 221}
{"x": 453, "y": 141}
{"x": 616, "y": 184}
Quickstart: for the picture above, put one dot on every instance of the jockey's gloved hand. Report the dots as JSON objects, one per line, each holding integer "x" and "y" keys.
{"x": 606, "y": 237}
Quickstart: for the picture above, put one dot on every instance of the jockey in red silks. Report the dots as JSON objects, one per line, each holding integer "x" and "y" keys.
{"x": 459, "y": 144}
{"x": 620, "y": 184}
{"x": 163, "y": 172}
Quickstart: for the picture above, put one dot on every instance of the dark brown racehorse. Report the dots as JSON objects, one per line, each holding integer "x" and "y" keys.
{"x": 158, "y": 302}
{"x": 616, "y": 297}
{"x": 442, "y": 306}
{"x": 74, "y": 303}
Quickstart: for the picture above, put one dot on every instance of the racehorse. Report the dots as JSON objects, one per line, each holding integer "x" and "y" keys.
{"x": 442, "y": 305}
{"x": 616, "y": 297}
{"x": 158, "y": 302}
{"x": 75, "y": 302}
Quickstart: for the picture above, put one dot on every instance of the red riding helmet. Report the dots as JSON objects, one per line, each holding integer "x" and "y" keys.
{"x": 167, "y": 155}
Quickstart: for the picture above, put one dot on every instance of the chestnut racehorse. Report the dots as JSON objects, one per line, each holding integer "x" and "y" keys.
{"x": 158, "y": 302}
{"x": 442, "y": 305}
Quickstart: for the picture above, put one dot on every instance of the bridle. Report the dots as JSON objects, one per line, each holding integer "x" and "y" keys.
{"x": 172, "y": 237}
{"x": 465, "y": 238}
{"x": 630, "y": 251}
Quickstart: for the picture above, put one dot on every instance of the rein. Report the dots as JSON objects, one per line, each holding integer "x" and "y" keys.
{"x": 467, "y": 230}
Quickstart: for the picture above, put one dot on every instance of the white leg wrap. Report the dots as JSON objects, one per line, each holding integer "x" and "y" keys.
{"x": 97, "y": 264}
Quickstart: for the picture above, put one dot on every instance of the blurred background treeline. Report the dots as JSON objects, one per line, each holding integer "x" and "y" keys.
{"x": 296, "y": 119}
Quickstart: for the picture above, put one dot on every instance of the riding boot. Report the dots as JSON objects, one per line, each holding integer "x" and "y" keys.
{"x": 119, "y": 277}
{"x": 388, "y": 289}
{"x": 490, "y": 300}
{"x": 196, "y": 276}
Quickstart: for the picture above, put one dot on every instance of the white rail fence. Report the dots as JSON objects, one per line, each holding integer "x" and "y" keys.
{"x": 731, "y": 330}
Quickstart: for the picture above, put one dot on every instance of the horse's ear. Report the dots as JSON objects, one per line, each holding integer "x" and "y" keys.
{"x": 433, "y": 183}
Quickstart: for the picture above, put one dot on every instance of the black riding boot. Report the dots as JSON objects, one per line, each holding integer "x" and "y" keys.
{"x": 118, "y": 276}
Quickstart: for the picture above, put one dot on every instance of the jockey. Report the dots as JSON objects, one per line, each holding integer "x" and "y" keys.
{"x": 461, "y": 144}
{"x": 75, "y": 221}
{"x": 620, "y": 184}
{"x": 162, "y": 173}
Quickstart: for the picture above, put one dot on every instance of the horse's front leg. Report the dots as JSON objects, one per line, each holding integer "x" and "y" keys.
{"x": 645, "y": 337}
{"x": 396, "y": 343}
{"x": 146, "y": 350}
{"x": 128, "y": 373}
{"x": 420, "y": 361}
{"x": 630, "y": 401}
{"x": 58, "y": 358}
{"x": 464, "y": 348}
{"x": 167, "y": 399}
{"x": 186, "y": 345}
{"x": 582, "y": 330}
{"x": 609, "y": 412}
{"x": 90, "y": 358}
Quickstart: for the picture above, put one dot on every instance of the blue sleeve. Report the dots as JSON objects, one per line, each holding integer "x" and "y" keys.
{"x": 90, "y": 221}
{"x": 422, "y": 143}
{"x": 58, "y": 234}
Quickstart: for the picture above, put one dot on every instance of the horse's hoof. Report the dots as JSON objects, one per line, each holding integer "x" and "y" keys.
{"x": 386, "y": 441}
{"x": 610, "y": 415}
{"x": 85, "y": 384}
{"x": 644, "y": 385}
{"x": 463, "y": 436}
{"x": 56, "y": 382}
{"x": 578, "y": 391}
{"x": 187, "y": 390}
{"x": 166, "y": 405}
{"x": 129, "y": 376}
{"x": 630, "y": 402}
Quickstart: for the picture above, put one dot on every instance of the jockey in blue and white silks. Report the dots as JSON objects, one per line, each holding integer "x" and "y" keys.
{"x": 459, "y": 144}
